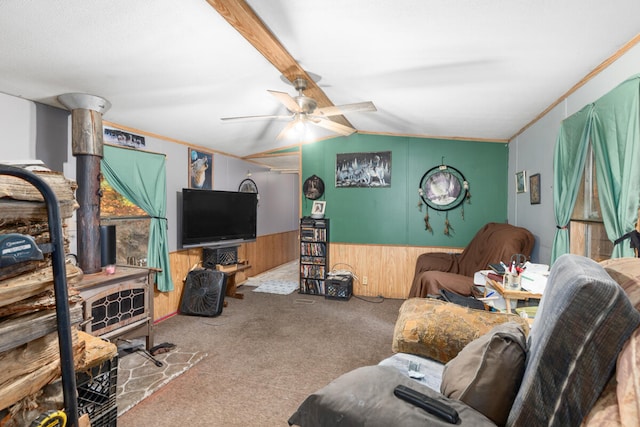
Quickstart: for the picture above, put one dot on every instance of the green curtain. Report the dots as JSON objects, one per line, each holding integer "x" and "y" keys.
{"x": 141, "y": 177}
{"x": 568, "y": 165}
{"x": 616, "y": 143}
{"x": 612, "y": 125}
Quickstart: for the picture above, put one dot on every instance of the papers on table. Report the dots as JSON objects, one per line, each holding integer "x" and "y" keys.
{"x": 533, "y": 282}
{"x": 534, "y": 277}
{"x": 492, "y": 297}
{"x": 536, "y": 268}
{"x": 480, "y": 277}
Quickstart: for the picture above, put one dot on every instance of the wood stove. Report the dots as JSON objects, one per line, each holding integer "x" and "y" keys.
{"x": 119, "y": 305}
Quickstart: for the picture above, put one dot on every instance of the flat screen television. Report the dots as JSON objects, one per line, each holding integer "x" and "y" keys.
{"x": 217, "y": 218}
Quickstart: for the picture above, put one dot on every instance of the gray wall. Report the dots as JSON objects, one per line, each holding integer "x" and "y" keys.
{"x": 532, "y": 151}
{"x": 35, "y": 131}
{"x": 18, "y": 124}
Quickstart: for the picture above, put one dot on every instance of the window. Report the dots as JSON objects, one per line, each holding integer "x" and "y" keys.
{"x": 132, "y": 225}
{"x": 587, "y": 234}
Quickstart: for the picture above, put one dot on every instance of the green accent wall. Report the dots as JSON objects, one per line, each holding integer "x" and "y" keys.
{"x": 391, "y": 215}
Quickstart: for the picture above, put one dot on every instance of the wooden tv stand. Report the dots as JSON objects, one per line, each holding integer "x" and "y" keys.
{"x": 236, "y": 276}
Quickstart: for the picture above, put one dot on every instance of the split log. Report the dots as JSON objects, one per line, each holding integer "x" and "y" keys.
{"x": 96, "y": 351}
{"x": 27, "y": 385}
{"x": 22, "y": 203}
{"x": 29, "y": 409}
{"x": 18, "y": 330}
{"x": 43, "y": 301}
{"x": 31, "y": 284}
{"x": 26, "y": 410}
{"x": 19, "y": 189}
{"x": 20, "y": 212}
{"x": 15, "y": 270}
{"x": 21, "y": 268}
{"x": 38, "y": 230}
{"x": 31, "y": 366}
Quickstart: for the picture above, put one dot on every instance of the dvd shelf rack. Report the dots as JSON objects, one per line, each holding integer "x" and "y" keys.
{"x": 314, "y": 255}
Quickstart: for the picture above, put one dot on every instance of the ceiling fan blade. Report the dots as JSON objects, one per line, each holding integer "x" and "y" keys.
{"x": 248, "y": 118}
{"x": 285, "y": 131}
{"x": 338, "y": 110}
{"x": 287, "y": 100}
{"x": 333, "y": 126}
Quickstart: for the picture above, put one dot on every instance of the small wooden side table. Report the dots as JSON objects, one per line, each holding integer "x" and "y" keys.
{"x": 236, "y": 277}
{"x": 511, "y": 294}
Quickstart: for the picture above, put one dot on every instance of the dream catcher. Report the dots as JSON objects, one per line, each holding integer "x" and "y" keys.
{"x": 443, "y": 188}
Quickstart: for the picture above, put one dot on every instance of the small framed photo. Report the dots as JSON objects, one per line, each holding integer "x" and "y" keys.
{"x": 521, "y": 183}
{"x": 534, "y": 189}
{"x": 317, "y": 210}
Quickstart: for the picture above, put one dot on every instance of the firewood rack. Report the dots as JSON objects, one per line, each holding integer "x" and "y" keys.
{"x": 63, "y": 318}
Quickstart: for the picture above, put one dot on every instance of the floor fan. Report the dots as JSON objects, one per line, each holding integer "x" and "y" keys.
{"x": 203, "y": 293}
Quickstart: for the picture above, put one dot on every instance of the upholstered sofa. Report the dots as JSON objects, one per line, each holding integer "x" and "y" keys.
{"x": 577, "y": 364}
{"x": 493, "y": 243}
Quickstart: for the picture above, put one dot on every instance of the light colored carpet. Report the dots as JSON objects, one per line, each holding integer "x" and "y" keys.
{"x": 281, "y": 280}
{"x": 139, "y": 377}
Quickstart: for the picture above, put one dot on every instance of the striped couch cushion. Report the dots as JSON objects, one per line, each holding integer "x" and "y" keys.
{"x": 583, "y": 320}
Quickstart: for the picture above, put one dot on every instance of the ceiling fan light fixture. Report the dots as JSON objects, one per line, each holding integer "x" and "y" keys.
{"x": 305, "y": 109}
{"x": 299, "y": 127}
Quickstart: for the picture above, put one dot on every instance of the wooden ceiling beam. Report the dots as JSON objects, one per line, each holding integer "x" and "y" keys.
{"x": 242, "y": 17}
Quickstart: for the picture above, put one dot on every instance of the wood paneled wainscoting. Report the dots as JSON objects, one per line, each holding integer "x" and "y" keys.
{"x": 264, "y": 254}
{"x": 388, "y": 269}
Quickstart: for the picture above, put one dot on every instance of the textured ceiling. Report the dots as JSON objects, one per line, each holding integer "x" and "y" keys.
{"x": 467, "y": 69}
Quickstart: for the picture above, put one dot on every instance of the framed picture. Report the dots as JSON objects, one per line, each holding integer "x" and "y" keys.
{"x": 126, "y": 139}
{"x": 318, "y": 208}
{"x": 313, "y": 187}
{"x": 200, "y": 170}
{"x": 521, "y": 183}
{"x": 534, "y": 189}
{"x": 370, "y": 170}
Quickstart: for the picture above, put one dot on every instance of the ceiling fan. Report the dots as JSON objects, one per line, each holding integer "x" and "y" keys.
{"x": 303, "y": 110}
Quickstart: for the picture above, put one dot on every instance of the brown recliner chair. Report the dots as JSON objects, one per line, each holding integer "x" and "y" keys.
{"x": 494, "y": 242}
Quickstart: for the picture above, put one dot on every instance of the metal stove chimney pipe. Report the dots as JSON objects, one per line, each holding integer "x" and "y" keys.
{"x": 87, "y": 147}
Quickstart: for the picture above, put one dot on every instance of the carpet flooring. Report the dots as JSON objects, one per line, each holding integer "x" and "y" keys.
{"x": 265, "y": 354}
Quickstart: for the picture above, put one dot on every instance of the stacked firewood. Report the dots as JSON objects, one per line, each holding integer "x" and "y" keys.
{"x": 29, "y": 352}
{"x": 23, "y": 211}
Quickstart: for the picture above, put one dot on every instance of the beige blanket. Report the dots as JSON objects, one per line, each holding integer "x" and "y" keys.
{"x": 619, "y": 404}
